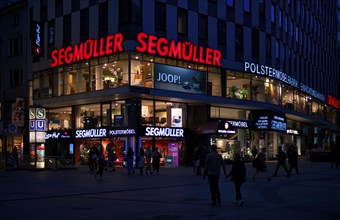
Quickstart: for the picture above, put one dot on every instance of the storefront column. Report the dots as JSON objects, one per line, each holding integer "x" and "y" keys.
{"x": 99, "y": 78}
{"x": 298, "y": 144}
{"x": 76, "y": 117}
{"x": 241, "y": 133}
{"x": 276, "y": 143}
{"x": 79, "y": 81}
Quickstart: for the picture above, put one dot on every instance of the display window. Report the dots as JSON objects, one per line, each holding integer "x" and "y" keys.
{"x": 170, "y": 149}
{"x": 163, "y": 114}
{"x": 288, "y": 97}
{"x": 59, "y": 118}
{"x": 214, "y": 80}
{"x": 95, "y": 74}
{"x": 141, "y": 70}
{"x": 238, "y": 85}
{"x": 116, "y": 144}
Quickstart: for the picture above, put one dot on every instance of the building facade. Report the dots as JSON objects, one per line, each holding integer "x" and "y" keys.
{"x": 176, "y": 75}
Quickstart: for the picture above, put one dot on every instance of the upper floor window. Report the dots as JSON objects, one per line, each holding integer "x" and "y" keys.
{"x": 160, "y": 16}
{"x": 58, "y": 8}
{"x": 16, "y": 19}
{"x": 103, "y": 17}
{"x": 182, "y": 22}
{"x": 15, "y": 78}
{"x": 262, "y": 9}
{"x": 84, "y": 24}
{"x": 67, "y": 28}
{"x": 221, "y": 38}
{"x": 246, "y": 5}
{"x": 136, "y": 11}
{"x": 130, "y": 11}
{"x": 203, "y": 27}
{"x": 43, "y": 10}
{"x": 15, "y": 46}
{"x": 231, "y": 3}
{"x": 272, "y": 13}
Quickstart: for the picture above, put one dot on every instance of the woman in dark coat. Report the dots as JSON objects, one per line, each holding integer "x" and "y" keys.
{"x": 238, "y": 175}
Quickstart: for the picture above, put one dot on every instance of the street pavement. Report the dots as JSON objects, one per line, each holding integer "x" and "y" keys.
{"x": 174, "y": 194}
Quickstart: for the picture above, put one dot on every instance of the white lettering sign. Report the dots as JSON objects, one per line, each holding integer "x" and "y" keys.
{"x": 311, "y": 92}
{"x": 240, "y": 124}
{"x": 91, "y": 133}
{"x": 37, "y": 29}
{"x": 271, "y": 72}
{"x": 169, "y": 78}
{"x": 122, "y": 132}
{"x": 164, "y": 132}
{"x": 226, "y": 131}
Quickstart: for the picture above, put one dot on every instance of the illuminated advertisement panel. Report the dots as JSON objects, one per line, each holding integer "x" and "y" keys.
{"x": 179, "y": 79}
{"x": 176, "y": 117}
{"x": 40, "y": 155}
{"x": 268, "y": 120}
{"x": 37, "y": 39}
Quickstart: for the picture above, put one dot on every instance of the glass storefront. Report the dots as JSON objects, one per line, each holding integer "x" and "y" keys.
{"x": 137, "y": 69}
{"x": 142, "y": 70}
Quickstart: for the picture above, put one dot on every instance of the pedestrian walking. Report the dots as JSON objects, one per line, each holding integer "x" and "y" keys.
{"x": 129, "y": 161}
{"x": 212, "y": 169}
{"x": 141, "y": 160}
{"x": 254, "y": 151}
{"x": 101, "y": 164}
{"x": 281, "y": 161}
{"x": 156, "y": 158}
{"x": 260, "y": 164}
{"x": 293, "y": 159}
{"x": 148, "y": 157}
{"x": 92, "y": 160}
{"x": 15, "y": 157}
{"x": 111, "y": 157}
{"x": 196, "y": 161}
{"x": 238, "y": 176}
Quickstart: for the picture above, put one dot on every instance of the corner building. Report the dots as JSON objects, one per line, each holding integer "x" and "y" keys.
{"x": 179, "y": 75}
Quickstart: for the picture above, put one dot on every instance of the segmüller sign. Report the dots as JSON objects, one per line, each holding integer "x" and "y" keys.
{"x": 89, "y": 49}
{"x": 146, "y": 43}
{"x": 151, "y": 131}
{"x": 187, "y": 51}
{"x": 333, "y": 101}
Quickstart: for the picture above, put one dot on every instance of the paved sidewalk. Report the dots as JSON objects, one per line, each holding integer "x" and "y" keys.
{"x": 175, "y": 194}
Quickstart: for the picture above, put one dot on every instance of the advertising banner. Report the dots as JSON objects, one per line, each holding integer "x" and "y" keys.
{"x": 179, "y": 79}
{"x": 173, "y": 151}
{"x": 268, "y": 120}
{"x": 18, "y": 112}
{"x": 176, "y": 117}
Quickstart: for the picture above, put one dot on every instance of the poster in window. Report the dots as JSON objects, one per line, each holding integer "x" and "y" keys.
{"x": 176, "y": 117}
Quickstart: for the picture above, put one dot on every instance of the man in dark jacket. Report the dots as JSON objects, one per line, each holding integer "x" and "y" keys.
{"x": 212, "y": 168}
{"x": 281, "y": 161}
{"x": 238, "y": 175}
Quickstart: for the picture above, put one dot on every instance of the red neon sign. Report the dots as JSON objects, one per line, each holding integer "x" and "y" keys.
{"x": 87, "y": 50}
{"x": 179, "y": 50}
{"x": 146, "y": 44}
{"x": 333, "y": 101}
